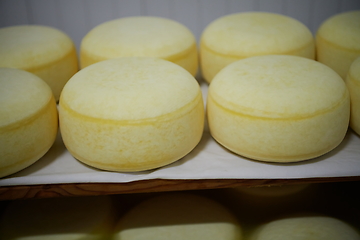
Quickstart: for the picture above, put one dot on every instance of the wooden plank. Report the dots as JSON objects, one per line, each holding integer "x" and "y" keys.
{"x": 146, "y": 186}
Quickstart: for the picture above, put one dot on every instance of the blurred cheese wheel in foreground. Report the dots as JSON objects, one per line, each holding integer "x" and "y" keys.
{"x": 338, "y": 41}
{"x": 141, "y": 37}
{"x": 177, "y": 217}
{"x": 28, "y": 119}
{"x": 243, "y": 35}
{"x": 306, "y": 228}
{"x": 353, "y": 83}
{"x": 131, "y": 114}
{"x": 44, "y": 51}
{"x": 74, "y": 218}
{"x": 278, "y": 108}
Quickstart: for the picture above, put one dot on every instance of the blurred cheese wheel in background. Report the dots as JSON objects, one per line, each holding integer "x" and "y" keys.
{"x": 143, "y": 36}
{"x": 43, "y": 51}
{"x": 338, "y": 41}
{"x": 178, "y": 216}
{"x": 306, "y": 228}
{"x": 278, "y": 108}
{"x": 242, "y": 35}
{"x": 353, "y": 83}
{"x": 72, "y": 218}
{"x": 131, "y": 114}
{"x": 28, "y": 119}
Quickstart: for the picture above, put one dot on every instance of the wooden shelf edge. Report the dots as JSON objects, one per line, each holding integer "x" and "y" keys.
{"x": 143, "y": 186}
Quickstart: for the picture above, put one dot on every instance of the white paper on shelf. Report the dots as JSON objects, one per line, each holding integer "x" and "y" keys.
{"x": 208, "y": 160}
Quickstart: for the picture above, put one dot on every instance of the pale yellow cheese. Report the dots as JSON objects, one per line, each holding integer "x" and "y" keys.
{"x": 143, "y": 36}
{"x": 73, "y": 218}
{"x": 241, "y": 35}
{"x": 353, "y": 84}
{"x": 338, "y": 41}
{"x": 43, "y": 51}
{"x": 28, "y": 119}
{"x": 278, "y": 108}
{"x": 131, "y": 114}
{"x": 178, "y": 216}
{"x": 306, "y": 228}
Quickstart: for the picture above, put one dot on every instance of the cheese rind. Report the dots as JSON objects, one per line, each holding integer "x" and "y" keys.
{"x": 131, "y": 114}
{"x": 278, "y": 108}
{"x": 353, "y": 84}
{"x": 140, "y": 36}
{"x": 28, "y": 120}
{"x": 43, "y": 51}
{"x": 241, "y": 35}
{"x": 338, "y": 41}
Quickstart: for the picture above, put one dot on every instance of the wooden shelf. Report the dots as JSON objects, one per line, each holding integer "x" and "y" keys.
{"x": 144, "y": 186}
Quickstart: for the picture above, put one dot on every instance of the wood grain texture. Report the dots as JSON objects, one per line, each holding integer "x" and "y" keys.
{"x": 147, "y": 186}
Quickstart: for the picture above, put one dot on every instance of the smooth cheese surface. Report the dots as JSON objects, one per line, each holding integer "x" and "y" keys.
{"x": 342, "y": 30}
{"x": 131, "y": 114}
{"x": 44, "y": 51}
{"x": 353, "y": 83}
{"x": 178, "y": 216}
{"x": 338, "y": 41}
{"x": 22, "y": 95}
{"x": 32, "y": 46}
{"x": 28, "y": 119}
{"x": 130, "y": 89}
{"x": 278, "y": 108}
{"x": 241, "y": 35}
{"x": 278, "y": 87}
{"x": 75, "y": 218}
{"x": 256, "y": 33}
{"x": 140, "y": 36}
{"x": 306, "y": 228}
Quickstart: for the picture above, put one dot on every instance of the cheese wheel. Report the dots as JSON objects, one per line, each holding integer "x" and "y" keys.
{"x": 141, "y": 37}
{"x": 74, "y": 218}
{"x": 43, "y": 51}
{"x": 353, "y": 84}
{"x": 131, "y": 114}
{"x": 278, "y": 108}
{"x": 178, "y": 216}
{"x": 28, "y": 119}
{"x": 241, "y": 35}
{"x": 306, "y": 228}
{"x": 338, "y": 41}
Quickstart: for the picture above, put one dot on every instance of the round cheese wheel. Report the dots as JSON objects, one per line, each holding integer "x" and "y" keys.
{"x": 28, "y": 119}
{"x": 353, "y": 83}
{"x": 141, "y": 37}
{"x": 74, "y": 218}
{"x": 241, "y": 35}
{"x": 278, "y": 108}
{"x": 306, "y": 228}
{"x": 43, "y": 51}
{"x": 131, "y": 114}
{"x": 178, "y": 216}
{"x": 338, "y": 41}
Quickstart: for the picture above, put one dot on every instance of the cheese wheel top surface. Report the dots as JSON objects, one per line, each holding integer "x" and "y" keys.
{"x": 138, "y": 36}
{"x": 255, "y": 33}
{"x": 342, "y": 30}
{"x": 278, "y": 86}
{"x": 32, "y": 46}
{"x": 130, "y": 88}
{"x": 22, "y": 94}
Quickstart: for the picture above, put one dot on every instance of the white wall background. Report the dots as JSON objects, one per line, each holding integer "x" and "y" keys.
{"x": 77, "y": 17}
